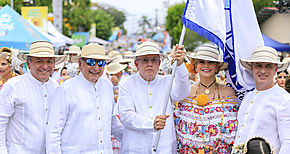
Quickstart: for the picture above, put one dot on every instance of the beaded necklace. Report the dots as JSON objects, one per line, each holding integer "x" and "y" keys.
{"x": 222, "y": 123}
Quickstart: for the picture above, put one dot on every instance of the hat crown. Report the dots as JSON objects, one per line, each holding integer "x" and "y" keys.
{"x": 75, "y": 48}
{"x": 208, "y": 52}
{"x": 265, "y": 52}
{"x": 41, "y": 47}
{"x": 144, "y": 47}
{"x": 93, "y": 49}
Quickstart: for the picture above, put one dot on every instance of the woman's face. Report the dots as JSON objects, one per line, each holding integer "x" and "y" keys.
{"x": 281, "y": 77}
{"x": 206, "y": 68}
{"x": 5, "y": 68}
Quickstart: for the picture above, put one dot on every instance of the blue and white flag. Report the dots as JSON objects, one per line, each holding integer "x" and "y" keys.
{"x": 233, "y": 26}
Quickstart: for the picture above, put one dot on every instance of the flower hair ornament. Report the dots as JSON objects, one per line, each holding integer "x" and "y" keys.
{"x": 11, "y": 57}
{"x": 254, "y": 145}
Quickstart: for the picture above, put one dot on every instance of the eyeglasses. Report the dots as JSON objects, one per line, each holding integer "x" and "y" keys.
{"x": 93, "y": 62}
{"x": 280, "y": 77}
{"x": 146, "y": 60}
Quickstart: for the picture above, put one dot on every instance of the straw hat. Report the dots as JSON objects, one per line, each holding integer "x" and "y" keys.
{"x": 209, "y": 52}
{"x": 94, "y": 51}
{"x": 58, "y": 66}
{"x": 73, "y": 50}
{"x": 147, "y": 48}
{"x": 113, "y": 54}
{"x": 264, "y": 54}
{"x": 114, "y": 67}
{"x": 42, "y": 49}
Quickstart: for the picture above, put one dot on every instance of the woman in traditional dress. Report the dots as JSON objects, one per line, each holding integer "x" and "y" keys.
{"x": 206, "y": 121}
{"x": 281, "y": 78}
{"x": 6, "y": 71}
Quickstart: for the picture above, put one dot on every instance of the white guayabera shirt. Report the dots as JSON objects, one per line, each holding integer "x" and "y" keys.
{"x": 23, "y": 114}
{"x": 140, "y": 102}
{"x": 266, "y": 114}
{"x": 81, "y": 117}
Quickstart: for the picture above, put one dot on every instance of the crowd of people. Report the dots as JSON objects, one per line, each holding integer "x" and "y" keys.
{"x": 91, "y": 101}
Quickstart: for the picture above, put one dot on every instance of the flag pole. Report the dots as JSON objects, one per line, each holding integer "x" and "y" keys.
{"x": 166, "y": 98}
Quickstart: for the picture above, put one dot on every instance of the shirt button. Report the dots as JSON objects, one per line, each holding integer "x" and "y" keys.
{"x": 99, "y": 118}
{"x": 46, "y": 123}
{"x": 46, "y": 109}
{"x": 148, "y": 82}
{"x": 252, "y": 102}
{"x": 98, "y": 108}
{"x": 150, "y": 94}
{"x": 247, "y": 113}
{"x": 257, "y": 92}
{"x": 101, "y": 141}
{"x": 150, "y": 107}
{"x": 100, "y": 130}
{"x": 45, "y": 95}
{"x": 239, "y": 136}
{"x": 243, "y": 125}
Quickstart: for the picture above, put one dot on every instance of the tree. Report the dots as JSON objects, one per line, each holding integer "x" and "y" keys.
{"x": 143, "y": 22}
{"x": 259, "y": 4}
{"x": 104, "y": 24}
{"x": 118, "y": 16}
{"x": 77, "y": 16}
{"x": 17, "y": 4}
{"x": 174, "y": 26}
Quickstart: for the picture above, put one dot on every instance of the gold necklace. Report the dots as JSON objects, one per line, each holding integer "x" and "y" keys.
{"x": 201, "y": 151}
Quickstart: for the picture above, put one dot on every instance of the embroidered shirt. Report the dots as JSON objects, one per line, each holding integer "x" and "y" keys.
{"x": 267, "y": 114}
{"x": 24, "y": 103}
{"x": 80, "y": 117}
{"x": 140, "y": 102}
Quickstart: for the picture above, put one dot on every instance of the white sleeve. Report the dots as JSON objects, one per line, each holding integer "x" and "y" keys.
{"x": 6, "y": 111}
{"x": 128, "y": 116}
{"x": 283, "y": 120}
{"x": 181, "y": 85}
{"x": 58, "y": 112}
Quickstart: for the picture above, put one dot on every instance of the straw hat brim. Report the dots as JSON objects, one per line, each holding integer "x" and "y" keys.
{"x": 116, "y": 70}
{"x": 247, "y": 63}
{"x": 71, "y": 52}
{"x": 58, "y": 58}
{"x": 76, "y": 58}
{"x": 162, "y": 56}
{"x": 223, "y": 65}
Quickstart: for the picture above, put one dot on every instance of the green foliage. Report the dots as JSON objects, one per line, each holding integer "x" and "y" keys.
{"x": 143, "y": 22}
{"x": 118, "y": 16}
{"x": 77, "y": 16}
{"x": 259, "y": 4}
{"x": 17, "y": 4}
{"x": 104, "y": 24}
{"x": 174, "y": 27}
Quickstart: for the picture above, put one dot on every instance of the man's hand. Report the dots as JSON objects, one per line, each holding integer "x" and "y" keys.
{"x": 160, "y": 122}
{"x": 179, "y": 54}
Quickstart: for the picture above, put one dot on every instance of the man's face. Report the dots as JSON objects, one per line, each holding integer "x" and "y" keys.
{"x": 91, "y": 73}
{"x": 41, "y": 68}
{"x": 148, "y": 66}
{"x": 264, "y": 73}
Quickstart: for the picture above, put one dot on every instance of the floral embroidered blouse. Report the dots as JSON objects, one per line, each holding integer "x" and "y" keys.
{"x": 211, "y": 128}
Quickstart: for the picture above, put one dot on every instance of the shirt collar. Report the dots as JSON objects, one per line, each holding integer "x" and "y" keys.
{"x": 146, "y": 82}
{"x": 35, "y": 81}
{"x": 86, "y": 82}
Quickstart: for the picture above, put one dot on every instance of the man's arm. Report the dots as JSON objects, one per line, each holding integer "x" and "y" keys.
{"x": 181, "y": 84}
{"x": 283, "y": 120}
{"x": 58, "y": 112}
{"x": 6, "y": 111}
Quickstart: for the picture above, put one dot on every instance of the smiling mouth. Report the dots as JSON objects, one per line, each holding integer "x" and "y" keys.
{"x": 95, "y": 73}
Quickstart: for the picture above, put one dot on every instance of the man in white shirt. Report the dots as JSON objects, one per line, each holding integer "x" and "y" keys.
{"x": 24, "y": 101}
{"x": 81, "y": 113}
{"x": 141, "y": 99}
{"x": 265, "y": 111}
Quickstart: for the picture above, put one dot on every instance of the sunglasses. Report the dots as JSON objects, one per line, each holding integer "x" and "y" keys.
{"x": 93, "y": 62}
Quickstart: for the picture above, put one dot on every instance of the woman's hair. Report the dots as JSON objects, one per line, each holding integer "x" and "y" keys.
{"x": 285, "y": 71}
{"x": 64, "y": 68}
{"x": 258, "y": 145}
{"x": 287, "y": 84}
{"x": 6, "y": 53}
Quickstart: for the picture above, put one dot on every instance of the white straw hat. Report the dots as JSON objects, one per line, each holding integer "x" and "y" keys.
{"x": 73, "y": 50}
{"x": 264, "y": 54}
{"x": 210, "y": 53}
{"x": 147, "y": 48}
{"x": 94, "y": 51}
{"x": 42, "y": 49}
{"x": 114, "y": 67}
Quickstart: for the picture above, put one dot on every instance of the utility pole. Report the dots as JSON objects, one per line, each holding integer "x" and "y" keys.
{"x": 57, "y": 14}
{"x": 156, "y": 17}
